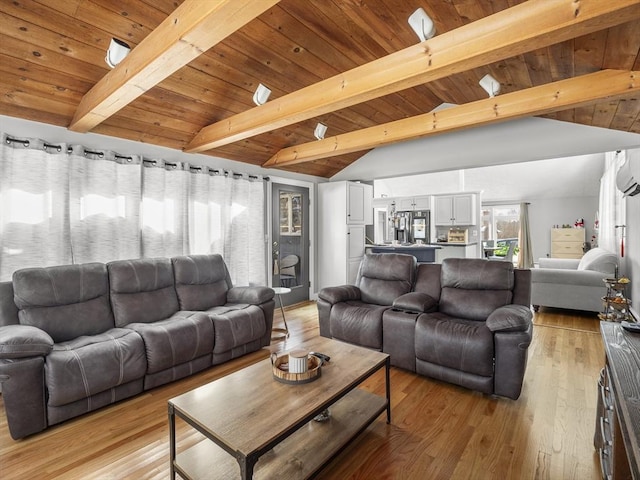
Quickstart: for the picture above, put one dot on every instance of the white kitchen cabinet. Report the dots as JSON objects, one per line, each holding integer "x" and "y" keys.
{"x": 344, "y": 208}
{"x": 359, "y": 203}
{"x": 455, "y": 209}
{"x": 404, "y": 204}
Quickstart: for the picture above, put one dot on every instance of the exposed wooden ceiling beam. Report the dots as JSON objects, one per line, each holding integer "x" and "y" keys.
{"x": 192, "y": 29}
{"x": 552, "y": 97}
{"x": 513, "y": 31}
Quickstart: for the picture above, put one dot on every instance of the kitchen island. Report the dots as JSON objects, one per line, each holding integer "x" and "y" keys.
{"x": 423, "y": 253}
{"x": 457, "y": 250}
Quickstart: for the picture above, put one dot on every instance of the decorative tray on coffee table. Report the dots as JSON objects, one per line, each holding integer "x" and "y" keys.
{"x": 280, "y": 367}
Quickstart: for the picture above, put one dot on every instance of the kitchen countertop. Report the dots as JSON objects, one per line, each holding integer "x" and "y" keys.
{"x": 424, "y": 245}
{"x": 413, "y": 245}
{"x": 454, "y": 244}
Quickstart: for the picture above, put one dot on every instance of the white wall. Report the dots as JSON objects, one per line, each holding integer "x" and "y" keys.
{"x": 631, "y": 261}
{"x": 544, "y": 213}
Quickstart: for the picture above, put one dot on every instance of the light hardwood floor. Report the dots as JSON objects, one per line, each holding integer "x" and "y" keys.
{"x": 438, "y": 431}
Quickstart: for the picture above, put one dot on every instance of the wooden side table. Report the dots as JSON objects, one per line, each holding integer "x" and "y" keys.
{"x": 279, "y": 291}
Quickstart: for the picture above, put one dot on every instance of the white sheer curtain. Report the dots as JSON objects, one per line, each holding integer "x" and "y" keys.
{"x": 104, "y": 205}
{"x": 246, "y": 231}
{"x": 34, "y": 214}
{"x": 62, "y": 205}
{"x": 165, "y": 188}
{"x": 226, "y": 216}
{"x": 611, "y": 206}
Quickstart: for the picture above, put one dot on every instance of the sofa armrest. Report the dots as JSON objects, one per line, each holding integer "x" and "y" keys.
{"x": 250, "y": 295}
{"x": 22, "y": 341}
{"x": 415, "y": 302}
{"x": 564, "y": 263}
{"x": 342, "y": 293}
{"x": 588, "y": 278}
{"x": 510, "y": 318}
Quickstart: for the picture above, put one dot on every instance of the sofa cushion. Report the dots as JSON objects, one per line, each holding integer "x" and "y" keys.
{"x": 202, "y": 281}
{"x": 66, "y": 301}
{"x": 180, "y": 338}
{"x": 476, "y": 274}
{"x": 383, "y": 277}
{"x": 473, "y": 288}
{"x": 20, "y": 341}
{"x": 88, "y": 365}
{"x": 456, "y": 343}
{"x": 142, "y": 290}
{"x": 235, "y": 325}
{"x": 358, "y": 323}
{"x": 8, "y": 309}
{"x": 599, "y": 260}
{"x": 428, "y": 279}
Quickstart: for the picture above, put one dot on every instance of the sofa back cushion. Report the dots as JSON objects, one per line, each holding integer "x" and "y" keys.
{"x": 428, "y": 279}
{"x": 473, "y": 288}
{"x": 202, "y": 281}
{"x": 142, "y": 290}
{"x": 65, "y": 301}
{"x": 383, "y": 277}
{"x": 8, "y": 309}
{"x": 599, "y": 260}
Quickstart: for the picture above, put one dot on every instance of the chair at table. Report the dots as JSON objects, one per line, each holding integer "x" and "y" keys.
{"x": 509, "y": 255}
{"x": 488, "y": 247}
{"x": 288, "y": 275}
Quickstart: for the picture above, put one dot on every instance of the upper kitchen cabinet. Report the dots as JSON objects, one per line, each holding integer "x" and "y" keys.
{"x": 404, "y": 204}
{"x": 455, "y": 209}
{"x": 359, "y": 198}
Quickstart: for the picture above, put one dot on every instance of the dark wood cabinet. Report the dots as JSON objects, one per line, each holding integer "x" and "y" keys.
{"x": 617, "y": 428}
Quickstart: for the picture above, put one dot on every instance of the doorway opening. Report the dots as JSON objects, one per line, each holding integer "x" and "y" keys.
{"x": 290, "y": 241}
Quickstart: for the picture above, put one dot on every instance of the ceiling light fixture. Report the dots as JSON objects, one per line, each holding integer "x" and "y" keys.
{"x": 422, "y": 24}
{"x": 116, "y": 52}
{"x": 320, "y": 130}
{"x": 261, "y": 95}
{"x": 490, "y": 85}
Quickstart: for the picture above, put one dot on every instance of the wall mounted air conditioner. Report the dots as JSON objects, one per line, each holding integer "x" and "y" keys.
{"x": 625, "y": 181}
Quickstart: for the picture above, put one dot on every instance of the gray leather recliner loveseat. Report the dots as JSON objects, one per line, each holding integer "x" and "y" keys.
{"x": 75, "y": 338}
{"x": 465, "y": 321}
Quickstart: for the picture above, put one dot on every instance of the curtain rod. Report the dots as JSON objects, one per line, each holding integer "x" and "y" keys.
{"x": 46, "y": 145}
{"x": 26, "y": 144}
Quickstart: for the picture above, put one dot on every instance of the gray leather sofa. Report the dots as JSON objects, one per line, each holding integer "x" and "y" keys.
{"x": 465, "y": 321}
{"x": 75, "y": 338}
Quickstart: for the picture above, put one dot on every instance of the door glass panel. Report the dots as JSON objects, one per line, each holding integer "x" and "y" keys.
{"x": 291, "y": 244}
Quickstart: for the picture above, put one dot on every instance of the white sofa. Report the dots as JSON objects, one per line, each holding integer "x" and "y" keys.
{"x": 571, "y": 283}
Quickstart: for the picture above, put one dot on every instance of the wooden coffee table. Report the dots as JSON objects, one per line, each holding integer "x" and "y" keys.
{"x": 266, "y": 427}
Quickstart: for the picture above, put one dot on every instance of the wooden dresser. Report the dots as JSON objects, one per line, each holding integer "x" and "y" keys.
{"x": 567, "y": 242}
{"x": 617, "y": 432}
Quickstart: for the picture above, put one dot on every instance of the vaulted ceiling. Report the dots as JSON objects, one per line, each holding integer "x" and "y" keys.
{"x": 194, "y": 92}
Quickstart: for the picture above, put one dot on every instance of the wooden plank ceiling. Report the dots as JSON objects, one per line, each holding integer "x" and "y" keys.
{"x": 52, "y": 53}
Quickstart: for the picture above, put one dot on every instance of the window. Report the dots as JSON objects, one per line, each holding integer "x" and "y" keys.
{"x": 500, "y": 222}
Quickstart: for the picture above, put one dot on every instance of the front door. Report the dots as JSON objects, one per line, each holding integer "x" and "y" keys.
{"x": 290, "y": 246}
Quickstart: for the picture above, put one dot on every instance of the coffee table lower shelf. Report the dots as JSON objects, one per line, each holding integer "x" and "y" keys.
{"x": 298, "y": 456}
